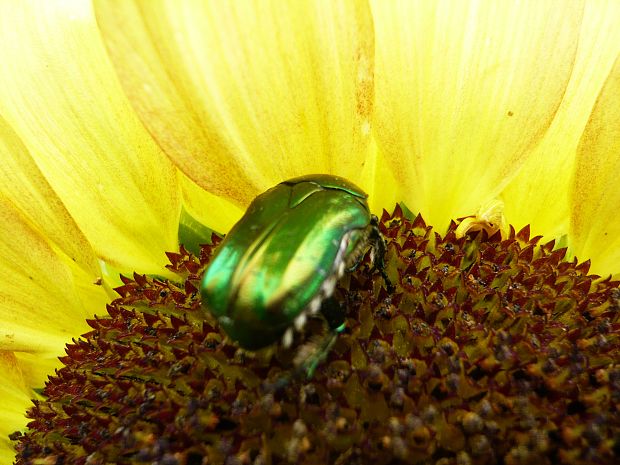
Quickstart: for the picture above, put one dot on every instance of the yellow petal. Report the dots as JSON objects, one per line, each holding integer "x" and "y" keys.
{"x": 23, "y": 184}
{"x": 547, "y": 174}
{"x": 595, "y": 197}
{"x": 378, "y": 182}
{"x": 15, "y": 397}
{"x": 37, "y": 367}
{"x": 214, "y": 212}
{"x": 40, "y": 307}
{"x": 463, "y": 91}
{"x": 61, "y": 96}
{"x": 244, "y": 94}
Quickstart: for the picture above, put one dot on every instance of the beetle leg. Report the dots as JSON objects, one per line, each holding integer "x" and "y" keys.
{"x": 378, "y": 251}
{"x": 313, "y": 352}
{"x": 333, "y": 313}
{"x": 355, "y": 257}
{"x": 379, "y": 247}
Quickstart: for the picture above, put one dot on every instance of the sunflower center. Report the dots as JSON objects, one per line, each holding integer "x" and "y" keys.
{"x": 488, "y": 351}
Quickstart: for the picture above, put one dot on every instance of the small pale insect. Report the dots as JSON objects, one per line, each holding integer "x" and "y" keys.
{"x": 282, "y": 260}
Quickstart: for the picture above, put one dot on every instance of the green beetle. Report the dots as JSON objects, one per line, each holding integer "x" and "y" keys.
{"x": 279, "y": 263}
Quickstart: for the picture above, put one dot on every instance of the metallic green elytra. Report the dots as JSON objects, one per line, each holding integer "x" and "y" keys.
{"x": 283, "y": 258}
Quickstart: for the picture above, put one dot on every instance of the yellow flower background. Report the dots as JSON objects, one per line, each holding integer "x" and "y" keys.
{"x": 116, "y": 115}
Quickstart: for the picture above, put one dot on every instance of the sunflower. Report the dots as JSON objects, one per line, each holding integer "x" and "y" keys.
{"x": 128, "y": 125}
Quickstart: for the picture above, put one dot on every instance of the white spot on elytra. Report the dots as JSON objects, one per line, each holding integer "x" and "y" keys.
{"x": 287, "y": 338}
{"x": 315, "y": 305}
{"x": 341, "y": 267}
{"x": 329, "y": 285}
{"x": 300, "y": 321}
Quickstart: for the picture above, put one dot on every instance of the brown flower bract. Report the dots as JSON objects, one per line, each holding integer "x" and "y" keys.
{"x": 489, "y": 351}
